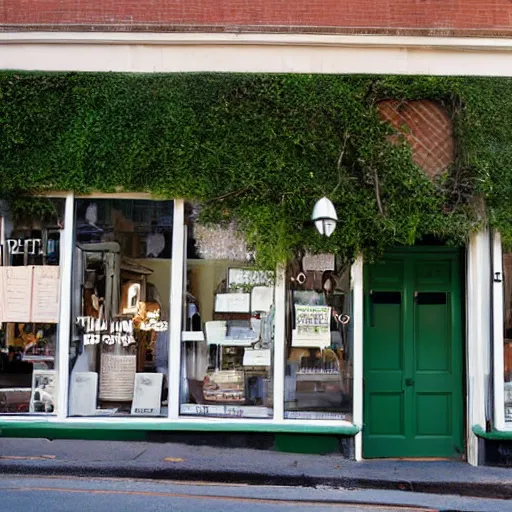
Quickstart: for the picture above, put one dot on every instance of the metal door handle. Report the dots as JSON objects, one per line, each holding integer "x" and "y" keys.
{"x": 409, "y": 382}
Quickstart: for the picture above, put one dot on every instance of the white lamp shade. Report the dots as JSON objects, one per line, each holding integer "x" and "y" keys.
{"x": 324, "y": 216}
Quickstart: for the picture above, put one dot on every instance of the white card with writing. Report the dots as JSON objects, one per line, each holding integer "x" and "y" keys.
{"x": 254, "y": 357}
{"x": 232, "y": 302}
{"x": 16, "y": 293}
{"x": 45, "y": 294}
{"x": 147, "y": 394}
{"x": 83, "y": 394}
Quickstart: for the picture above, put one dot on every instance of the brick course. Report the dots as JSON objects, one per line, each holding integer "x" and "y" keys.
{"x": 436, "y": 16}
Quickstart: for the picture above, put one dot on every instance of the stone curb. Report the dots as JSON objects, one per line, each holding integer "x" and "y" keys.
{"x": 159, "y": 472}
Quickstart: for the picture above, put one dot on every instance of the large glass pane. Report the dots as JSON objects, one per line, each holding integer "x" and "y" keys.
{"x": 227, "y": 343}
{"x": 318, "y": 373}
{"x": 120, "y": 307}
{"x": 507, "y": 334}
{"x": 29, "y": 308}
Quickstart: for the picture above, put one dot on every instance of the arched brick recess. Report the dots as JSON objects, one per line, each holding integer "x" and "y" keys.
{"x": 428, "y": 129}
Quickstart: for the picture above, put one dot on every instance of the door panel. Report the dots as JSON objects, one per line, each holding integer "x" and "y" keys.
{"x": 413, "y": 400}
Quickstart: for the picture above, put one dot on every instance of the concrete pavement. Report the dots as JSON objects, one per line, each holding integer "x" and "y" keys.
{"x": 182, "y": 462}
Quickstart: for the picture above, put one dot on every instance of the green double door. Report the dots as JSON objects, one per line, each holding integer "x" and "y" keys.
{"x": 413, "y": 353}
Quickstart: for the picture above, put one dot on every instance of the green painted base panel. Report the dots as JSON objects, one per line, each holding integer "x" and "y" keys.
{"x": 314, "y": 444}
{"x": 137, "y": 431}
{"x": 494, "y": 435}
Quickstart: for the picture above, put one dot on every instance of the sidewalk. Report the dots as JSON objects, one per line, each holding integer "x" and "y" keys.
{"x": 173, "y": 461}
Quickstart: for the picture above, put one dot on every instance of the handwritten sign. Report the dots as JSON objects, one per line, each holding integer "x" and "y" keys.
{"x": 16, "y": 293}
{"x": 45, "y": 294}
{"x": 29, "y": 294}
{"x": 312, "y": 326}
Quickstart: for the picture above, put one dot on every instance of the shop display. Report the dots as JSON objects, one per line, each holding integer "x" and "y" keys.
{"x": 29, "y": 311}
{"x": 227, "y": 370}
{"x": 318, "y": 373}
{"x": 120, "y": 307}
{"x": 507, "y": 335}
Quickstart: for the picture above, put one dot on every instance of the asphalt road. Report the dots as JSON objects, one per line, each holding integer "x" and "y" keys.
{"x": 58, "y": 494}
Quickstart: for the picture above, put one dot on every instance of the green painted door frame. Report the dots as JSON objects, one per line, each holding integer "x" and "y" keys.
{"x": 413, "y": 355}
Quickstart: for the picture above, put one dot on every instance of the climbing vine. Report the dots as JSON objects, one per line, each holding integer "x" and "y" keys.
{"x": 261, "y": 149}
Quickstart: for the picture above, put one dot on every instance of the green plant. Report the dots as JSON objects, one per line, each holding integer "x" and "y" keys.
{"x": 261, "y": 149}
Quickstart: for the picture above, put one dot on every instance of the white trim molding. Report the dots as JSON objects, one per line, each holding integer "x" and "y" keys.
{"x": 176, "y": 307}
{"x": 358, "y": 326}
{"x": 255, "y": 52}
{"x": 64, "y": 326}
{"x": 478, "y": 314}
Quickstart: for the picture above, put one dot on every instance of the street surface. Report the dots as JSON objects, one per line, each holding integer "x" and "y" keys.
{"x": 62, "y": 494}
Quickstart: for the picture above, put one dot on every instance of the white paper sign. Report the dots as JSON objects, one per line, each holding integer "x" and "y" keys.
{"x": 312, "y": 326}
{"x": 45, "y": 294}
{"x": 232, "y": 302}
{"x": 147, "y": 393}
{"x": 262, "y": 298}
{"x": 84, "y": 390}
{"x": 16, "y": 293}
{"x": 254, "y": 357}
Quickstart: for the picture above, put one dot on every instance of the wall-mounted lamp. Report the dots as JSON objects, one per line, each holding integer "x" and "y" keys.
{"x": 324, "y": 216}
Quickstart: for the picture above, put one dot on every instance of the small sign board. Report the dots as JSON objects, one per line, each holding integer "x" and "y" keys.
{"x": 147, "y": 394}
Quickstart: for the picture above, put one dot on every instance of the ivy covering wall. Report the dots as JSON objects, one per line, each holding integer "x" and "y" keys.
{"x": 261, "y": 149}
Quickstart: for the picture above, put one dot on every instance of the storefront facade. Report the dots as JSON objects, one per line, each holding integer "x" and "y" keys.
{"x": 122, "y": 316}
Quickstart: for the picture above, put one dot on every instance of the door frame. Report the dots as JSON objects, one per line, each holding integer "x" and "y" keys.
{"x": 467, "y": 267}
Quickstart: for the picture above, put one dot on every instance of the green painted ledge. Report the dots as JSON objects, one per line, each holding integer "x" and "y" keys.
{"x": 494, "y": 435}
{"x": 137, "y": 431}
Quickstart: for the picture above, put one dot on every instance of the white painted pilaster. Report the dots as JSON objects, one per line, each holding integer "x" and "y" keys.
{"x": 279, "y": 342}
{"x": 64, "y": 327}
{"x": 478, "y": 335}
{"x": 176, "y": 307}
{"x": 358, "y": 324}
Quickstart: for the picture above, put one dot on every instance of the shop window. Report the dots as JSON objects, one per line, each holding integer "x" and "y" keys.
{"x": 227, "y": 343}
{"x": 318, "y": 373}
{"x": 507, "y": 334}
{"x": 120, "y": 308}
{"x": 29, "y": 310}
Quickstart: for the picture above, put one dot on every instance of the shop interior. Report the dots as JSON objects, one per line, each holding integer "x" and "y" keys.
{"x": 319, "y": 368}
{"x": 121, "y": 292}
{"x": 29, "y": 281}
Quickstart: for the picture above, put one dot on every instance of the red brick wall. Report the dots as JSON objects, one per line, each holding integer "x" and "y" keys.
{"x": 398, "y": 16}
{"x": 427, "y": 128}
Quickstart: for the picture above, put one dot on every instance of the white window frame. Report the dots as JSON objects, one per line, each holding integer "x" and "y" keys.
{"x": 498, "y": 319}
{"x": 176, "y": 296}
